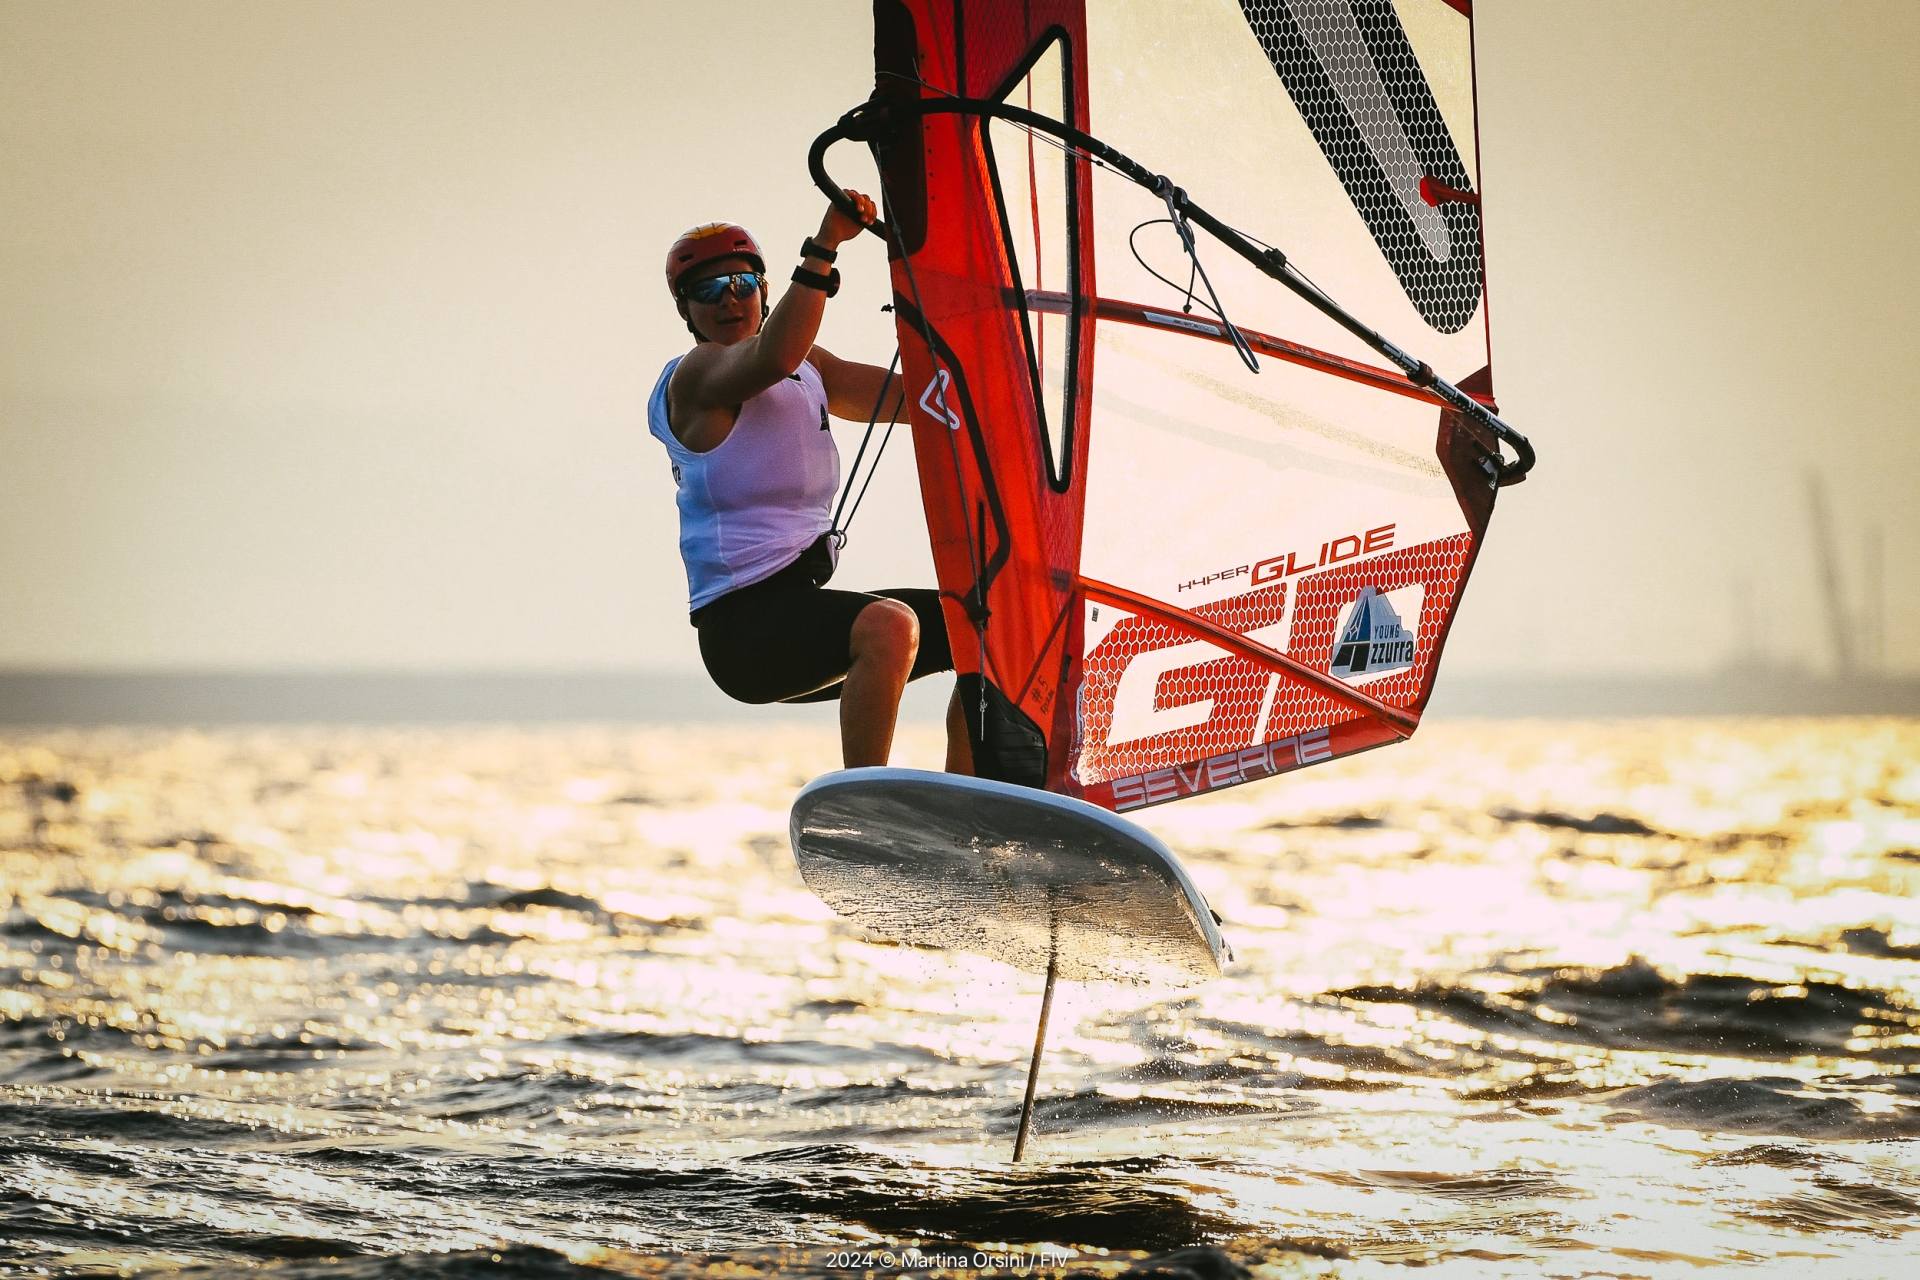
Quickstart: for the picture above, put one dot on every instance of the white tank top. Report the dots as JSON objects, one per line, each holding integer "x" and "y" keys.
{"x": 751, "y": 504}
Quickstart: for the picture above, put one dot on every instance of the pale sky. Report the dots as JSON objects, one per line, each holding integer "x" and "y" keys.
{"x": 326, "y": 329}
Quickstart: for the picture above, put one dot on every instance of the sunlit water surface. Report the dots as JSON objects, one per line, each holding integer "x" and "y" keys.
{"x": 1512, "y": 999}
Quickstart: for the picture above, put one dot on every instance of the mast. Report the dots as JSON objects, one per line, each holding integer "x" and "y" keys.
{"x": 1839, "y": 628}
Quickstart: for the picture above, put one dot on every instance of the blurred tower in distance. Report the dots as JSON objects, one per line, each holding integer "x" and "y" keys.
{"x": 1839, "y": 624}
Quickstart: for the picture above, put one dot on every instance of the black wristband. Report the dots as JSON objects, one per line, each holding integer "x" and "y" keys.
{"x": 811, "y": 248}
{"x": 828, "y": 284}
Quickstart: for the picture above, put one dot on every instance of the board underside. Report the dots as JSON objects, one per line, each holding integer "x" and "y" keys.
{"x": 937, "y": 860}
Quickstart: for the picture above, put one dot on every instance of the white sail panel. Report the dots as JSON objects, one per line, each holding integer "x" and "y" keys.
{"x": 1272, "y": 502}
{"x": 1185, "y": 88}
{"x": 1203, "y": 478}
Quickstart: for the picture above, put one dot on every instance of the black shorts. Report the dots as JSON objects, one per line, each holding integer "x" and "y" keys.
{"x": 785, "y": 638}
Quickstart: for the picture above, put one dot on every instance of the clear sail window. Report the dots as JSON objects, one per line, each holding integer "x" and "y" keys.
{"x": 1035, "y": 181}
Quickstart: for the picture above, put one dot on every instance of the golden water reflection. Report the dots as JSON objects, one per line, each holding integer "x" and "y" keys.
{"x": 1613, "y": 998}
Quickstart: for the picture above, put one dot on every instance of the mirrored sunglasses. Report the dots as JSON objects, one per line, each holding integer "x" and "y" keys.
{"x": 742, "y": 284}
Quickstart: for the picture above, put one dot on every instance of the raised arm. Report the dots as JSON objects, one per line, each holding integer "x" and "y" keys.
{"x": 717, "y": 376}
{"x": 853, "y": 389}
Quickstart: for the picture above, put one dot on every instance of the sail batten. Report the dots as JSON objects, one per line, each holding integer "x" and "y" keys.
{"x": 1265, "y": 344}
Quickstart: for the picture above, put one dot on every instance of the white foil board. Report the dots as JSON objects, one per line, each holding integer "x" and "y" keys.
{"x": 939, "y": 860}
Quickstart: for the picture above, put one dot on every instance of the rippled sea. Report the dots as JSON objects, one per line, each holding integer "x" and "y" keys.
{"x": 1511, "y": 999}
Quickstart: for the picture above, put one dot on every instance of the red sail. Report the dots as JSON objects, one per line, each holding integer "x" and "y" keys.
{"x": 1166, "y": 572}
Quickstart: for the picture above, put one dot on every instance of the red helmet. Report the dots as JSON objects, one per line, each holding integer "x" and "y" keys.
{"x": 704, "y": 244}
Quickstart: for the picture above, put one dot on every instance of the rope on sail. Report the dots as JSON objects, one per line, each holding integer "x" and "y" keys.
{"x": 839, "y": 527}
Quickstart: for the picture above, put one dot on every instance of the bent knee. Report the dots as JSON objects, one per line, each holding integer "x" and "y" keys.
{"x": 886, "y": 626}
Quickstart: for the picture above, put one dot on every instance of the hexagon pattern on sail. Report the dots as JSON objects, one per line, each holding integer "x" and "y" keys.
{"x": 1349, "y": 68}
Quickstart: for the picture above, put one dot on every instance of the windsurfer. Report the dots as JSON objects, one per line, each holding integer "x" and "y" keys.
{"x": 743, "y": 417}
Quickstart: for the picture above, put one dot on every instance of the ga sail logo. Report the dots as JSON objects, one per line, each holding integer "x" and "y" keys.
{"x": 1371, "y": 637}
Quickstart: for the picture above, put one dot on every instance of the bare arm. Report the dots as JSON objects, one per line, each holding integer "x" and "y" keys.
{"x": 713, "y": 378}
{"x": 853, "y": 389}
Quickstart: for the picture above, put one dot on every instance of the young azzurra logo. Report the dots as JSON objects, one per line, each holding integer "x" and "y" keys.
{"x": 1371, "y": 638}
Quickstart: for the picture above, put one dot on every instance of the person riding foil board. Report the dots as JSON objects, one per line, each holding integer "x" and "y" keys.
{"x": 743, "y": 416}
